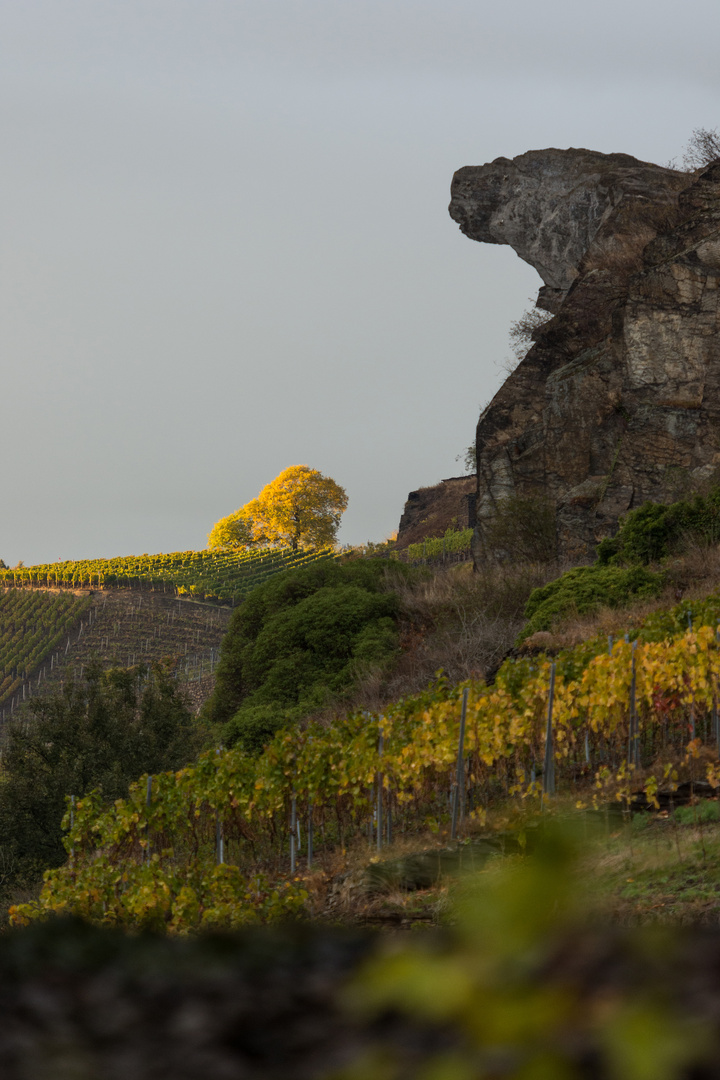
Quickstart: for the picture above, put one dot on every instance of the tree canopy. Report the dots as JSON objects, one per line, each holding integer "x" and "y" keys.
{"x": 301, "y": 640}
{"x": 300, "y": 508}
{"x": 103, "y": 731}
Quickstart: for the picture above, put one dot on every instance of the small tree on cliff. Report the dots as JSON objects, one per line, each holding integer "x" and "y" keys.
{"x": 301, "y": 508}
{"x": 702, "y": 149}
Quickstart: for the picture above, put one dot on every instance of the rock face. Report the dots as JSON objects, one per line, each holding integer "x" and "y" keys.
{"x": 430, "y": 511}
{"x": 618, "y": 400}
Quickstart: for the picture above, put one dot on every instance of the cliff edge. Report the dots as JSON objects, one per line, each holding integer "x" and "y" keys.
{"x": 618, "y": 400}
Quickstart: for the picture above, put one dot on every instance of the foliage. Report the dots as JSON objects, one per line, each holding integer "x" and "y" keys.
{"x": 584, "y": 589}
{"x": 504, "y": 984}
{"x": 254, "y": 726}
{"x": 303, "y": 637}
{"x": 706, "y": 810}
{"x": 524, "y": 330}
{"x": 702, "y": 149}
{"x": 300, "y": 508}
{"x": 232, "y": 533}
{"x": 330, "y": 770}
{"x": 670, "y": 622}
{"x": 209, "y": 575}
{"x": 31, "y": 626}
{"x": 656, "y": 530}
{"x": 98, "y": 733}
{"x": 453, "y": 542}
{"x": 469, "y": 458}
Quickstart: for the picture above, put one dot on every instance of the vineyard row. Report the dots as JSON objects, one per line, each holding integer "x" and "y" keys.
{"x": 171, "y": 851}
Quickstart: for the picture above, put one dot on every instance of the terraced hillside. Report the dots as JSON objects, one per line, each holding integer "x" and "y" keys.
{"x": 32, "y": 626}
{"x": 117, "y": 628}
{"x": 216, "y": 576}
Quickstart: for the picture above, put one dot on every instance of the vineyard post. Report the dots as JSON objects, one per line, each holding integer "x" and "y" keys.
{"x": 716, "y": 725}
{"x": 219, "y": 841}
{"x": 293, "y": 827}
{"x": 148, "y": 801}
{"x": 380, "y": 794}
{"x": 458, "y": 801}
{"x": 72, "y": 821}
{"x": 549, "y": 763}
{"x": 310, "y": 835}
{"x": 634, "y": 734}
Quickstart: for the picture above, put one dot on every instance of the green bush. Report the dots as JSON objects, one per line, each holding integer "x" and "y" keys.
{"x": 302, "y": 638}
{"x": 254, "y": 726}
{"x": 585, "y": 589}
{"x": 99, "y": 732}
{"x": 661, "y": 625}
{"x": 655, "y": 530}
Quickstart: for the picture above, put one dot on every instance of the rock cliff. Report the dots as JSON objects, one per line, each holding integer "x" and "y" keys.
{"x": 430, "y": 511}
{"x": 618, "y": 400}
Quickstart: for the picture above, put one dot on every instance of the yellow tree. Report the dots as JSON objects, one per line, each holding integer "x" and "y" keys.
{"x": 300, "y": 508}
{"x": 234, "y": 532}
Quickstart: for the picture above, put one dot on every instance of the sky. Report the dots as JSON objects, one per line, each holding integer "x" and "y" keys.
{"x": 225, "y": 246}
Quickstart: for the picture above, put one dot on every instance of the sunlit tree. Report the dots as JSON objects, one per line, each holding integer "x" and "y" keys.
{"x": 234, "y": 532}
{"x": 301, "y": 508}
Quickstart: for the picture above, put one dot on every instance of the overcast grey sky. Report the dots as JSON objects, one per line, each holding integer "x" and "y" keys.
{"x": 225, "y": 247}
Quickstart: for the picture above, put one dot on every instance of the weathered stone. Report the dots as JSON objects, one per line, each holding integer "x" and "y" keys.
{"x": 618, "y": 401}
{"x": 431, "y": 511}
{"x": 551, "y": 207}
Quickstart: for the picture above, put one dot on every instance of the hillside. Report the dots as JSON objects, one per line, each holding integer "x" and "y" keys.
{"x": 218, "y": 576}
{"x": 323, "y": 795}
{"x": 33, "y": 628}
{"x": 117, "y": 628}
{"x": 57, "y": 616}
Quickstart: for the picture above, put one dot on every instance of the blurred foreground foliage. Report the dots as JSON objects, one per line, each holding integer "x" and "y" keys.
{"x": 534, "y": 984}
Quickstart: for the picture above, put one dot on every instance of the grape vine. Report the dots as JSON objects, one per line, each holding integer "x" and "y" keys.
{"x": 153, "y": 858}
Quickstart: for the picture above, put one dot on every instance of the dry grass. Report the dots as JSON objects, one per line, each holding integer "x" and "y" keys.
{"x": 462, "y": 621}
{"x": 691, "y": 576}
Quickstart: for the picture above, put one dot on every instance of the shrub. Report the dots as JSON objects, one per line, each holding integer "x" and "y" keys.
{"x": 303, "y": 637}
{"x": 585, "y": 589}
{"x": 656, "y": 530}
{"x": 254, "y": 726}
{"x": 100, "y": 732}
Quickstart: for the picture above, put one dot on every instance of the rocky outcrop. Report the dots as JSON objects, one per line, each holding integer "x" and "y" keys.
{"x": 431, "y": 511}
{"x": 618, "y": 400}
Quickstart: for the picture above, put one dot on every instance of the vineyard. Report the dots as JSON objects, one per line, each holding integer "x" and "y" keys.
{"x": 453, "y": 543}
{"x": 203, "y": 575}
{"x": 210, "y": 845}
{"x": 115, "y": 628}
{"x": 32, "y": 625}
